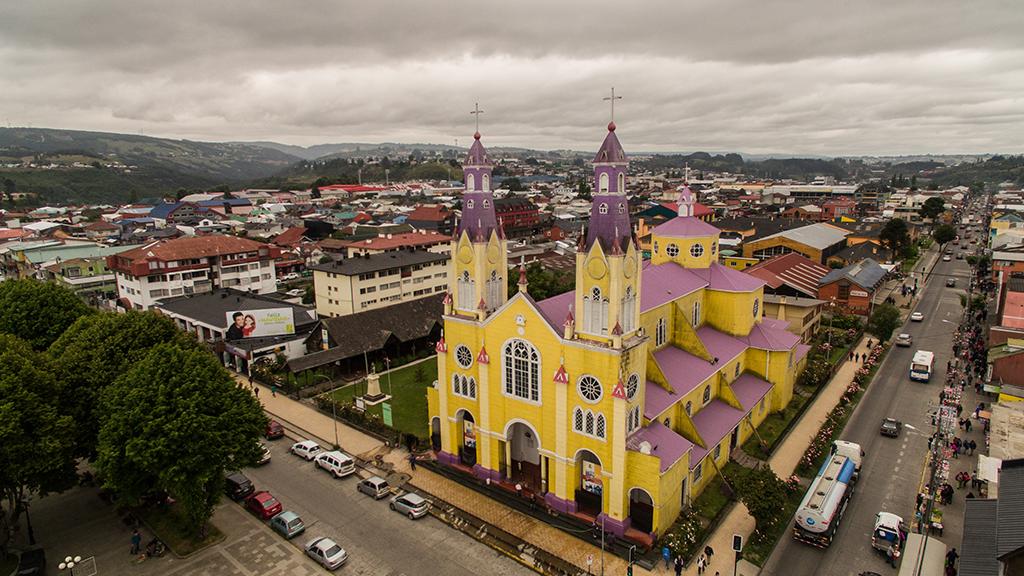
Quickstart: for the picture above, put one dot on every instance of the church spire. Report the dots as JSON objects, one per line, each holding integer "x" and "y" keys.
{"x": 478, "y": 217}
{"x": 609, "y": 213}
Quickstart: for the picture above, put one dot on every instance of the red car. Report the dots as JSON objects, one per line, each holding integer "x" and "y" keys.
{"x": 274, "y": 430}
{"x": 263, "y": 504}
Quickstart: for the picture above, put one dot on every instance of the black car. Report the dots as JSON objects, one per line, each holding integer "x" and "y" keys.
{"x": 891, "y": 427}
{"x": 951, "y": 282}
{"x": 32, "y": 563}
{"x": 237, "y": 486}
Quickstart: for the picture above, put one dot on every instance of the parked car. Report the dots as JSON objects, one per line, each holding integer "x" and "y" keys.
{"x": 959, "y": 255}
{"x": 411, "y": 504}
{"x": 326, "y": 552}
{"x": 904, "y": 340}
{"x": 891, "y": 427}
{"x": 337, "y": 463}
{"x": 916, "y": 317}
{"x": 288, "y": 524}
{"x": 264, "y": 455}
{"x": 274, "y": 430}
{"x": 263, "y": 504}
{"x": 374, "y": 486}
{"x": 951, "y": 282}
{"x": 290, "y": 276}
{"x": 238, "y": 486}
{"x": 308, "y": 449}
{"x": 294, "y": 292}
{"x": 946, "y": 258}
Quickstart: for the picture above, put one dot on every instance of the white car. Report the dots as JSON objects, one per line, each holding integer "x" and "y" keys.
{"x": 290, "y": 276}
{"x": 946, "y": 258}
{"x": 306, "y": 448}
{"x": 916, "y": 317}
{"x": 326, "y": 552}
{"x": 295, "y": 292}
{"x": 336, "y": 462}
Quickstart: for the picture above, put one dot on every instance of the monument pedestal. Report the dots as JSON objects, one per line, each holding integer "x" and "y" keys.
{"x": 373, "y": 394}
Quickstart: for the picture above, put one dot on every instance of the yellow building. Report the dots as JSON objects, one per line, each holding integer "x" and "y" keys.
{"x": 620, "y": 400}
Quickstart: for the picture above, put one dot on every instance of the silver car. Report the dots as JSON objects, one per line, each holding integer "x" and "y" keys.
{"x": 326, "y": 552}
{"x": 411, "y": 504}
{"x": 904, "y": 340}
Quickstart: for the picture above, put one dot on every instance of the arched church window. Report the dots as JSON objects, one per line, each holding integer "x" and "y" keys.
{"x": 603, "y": 186}
{"x": 622, "y": 208}
{"x": 521, "y": 370}
{"x": 603, "y": 208}
{"x": 469, "y": 204}
{"x": 470, "y": 182}
{"x": 589, "y": 388}
{"x": 599, "y": 426}
{"x": 589, "y": 429}
{"x": 632, "y": 386}
{"x": 707, "y": 394}
{"x": 487, "y": 182}
{"x": 622, "y": 183}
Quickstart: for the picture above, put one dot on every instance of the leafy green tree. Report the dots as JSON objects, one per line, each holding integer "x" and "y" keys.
{"x": 513, "y": 183}
{"x": 764, "y": 495}
{"x": 96, "y": 351}
{"x": 541, "y": 282}
{"x": 38, "y": 312}
{"x": 883, "y": 321}
{"x": 314, "y": 192}
{"x": 895, "y": 236}
{"x": 175, "y": 422}
{"x": 944, "y": 234}
{"x": 9, "y": 188}
{"x": 932, "y": 208}
{"x": 36, "y": 440}
{"x": 583, "y": 190}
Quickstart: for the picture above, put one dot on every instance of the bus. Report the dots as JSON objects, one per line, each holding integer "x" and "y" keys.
{"x": 921, "y": 366}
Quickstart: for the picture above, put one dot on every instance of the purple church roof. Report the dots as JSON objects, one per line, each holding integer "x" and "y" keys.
{"x": 726, "y": 279}
{"x": 666, "y": 445}
{"x": 478, "y": 218}
{"x": 657, "y": 400}
{"x": 768, "y": 336}
{"x": 713, "y": 423}
{"x": 666, "y": 282}
{"x": 686, "y": 227}
{"x": 720, "y": 345}
{"x": 749, "y": 390}
{"x": 612, "y": 228}
{"x": 477, "y": 155}
{"x": 610, "y": 151}
{"x": 683, "y": 370}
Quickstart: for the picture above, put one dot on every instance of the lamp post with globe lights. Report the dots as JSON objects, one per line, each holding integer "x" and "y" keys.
{"x": 69, "y": 563}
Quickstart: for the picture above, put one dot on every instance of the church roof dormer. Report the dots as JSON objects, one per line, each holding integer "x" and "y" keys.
{"x": 610, "y": 151}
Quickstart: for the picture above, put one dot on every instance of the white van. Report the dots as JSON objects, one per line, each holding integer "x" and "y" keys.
{"x": 337, "y": 463}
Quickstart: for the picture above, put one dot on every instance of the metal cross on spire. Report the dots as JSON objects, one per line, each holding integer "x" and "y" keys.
{"x": 612, "y": 99}
{"x": 477, "y": 112}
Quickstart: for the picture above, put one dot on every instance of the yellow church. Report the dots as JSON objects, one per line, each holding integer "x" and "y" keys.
{"x": 616, "y": 402}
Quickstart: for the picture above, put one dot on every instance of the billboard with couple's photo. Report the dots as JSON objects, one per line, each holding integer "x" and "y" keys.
{"x": 262, "y": 322}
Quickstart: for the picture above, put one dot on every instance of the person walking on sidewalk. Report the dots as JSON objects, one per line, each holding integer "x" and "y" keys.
{"x": 709, "y": 551}
{"x": 273, "y": 390}
{"x": 679, "y": 565}
{"x": 412, "y": 462}
{"x": 136, "y": 542}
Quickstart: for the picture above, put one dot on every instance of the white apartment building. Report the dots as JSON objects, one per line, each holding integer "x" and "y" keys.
{"x": 374, "y": 281}
{"x": 192, "y": 266}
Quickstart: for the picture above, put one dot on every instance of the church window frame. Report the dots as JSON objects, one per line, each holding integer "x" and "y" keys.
{"x": 470, "y": 182}
{"x": 602, "y": 186}
{"x": 487, "y": 203}
{"x": 588, "y": 427}
{"x": 577, "y": 419}
{"x": 602, "y": 208}
{"x": 521, "y": 364}
{"x": 714, "y": 248}
{"x": 621, "y": 181}
{"x": 463, "y": 356}
{"x": 689, "y": 408}
{"x": 600, "y": 426}
{"x": 632, "y": 386}
{"x": 486, "y": 179}
{"x": 707, "y": 395}
{"x": 736, "y": 371}
{"x": 629, "y": 310}
{"x": 697, "y": 250}
{"x": 672, "y": 250}
{"x": 590, "y": 389}
{"x": 469, "y": 204}
{"x": 717, "y": 452}
{"x": 698, "y": 471}
{"x": 634, "y": 420}
{"x": 695, "y": 314}
{"x": 655, "y": 246}
{"x": 661, "y": 332}
{"x": 757, "y": 306}
{"x": 622, "y": 208}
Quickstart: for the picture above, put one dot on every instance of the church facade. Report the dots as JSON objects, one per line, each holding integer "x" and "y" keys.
{"x": 618, "y": 401}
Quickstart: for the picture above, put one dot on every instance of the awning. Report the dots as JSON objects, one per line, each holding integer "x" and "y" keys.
{"x": 988, "y": 468}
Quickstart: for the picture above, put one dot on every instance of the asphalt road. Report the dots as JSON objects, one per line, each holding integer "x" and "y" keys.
{"x": 893, "y": 467}
{"x": 379, "y": 541}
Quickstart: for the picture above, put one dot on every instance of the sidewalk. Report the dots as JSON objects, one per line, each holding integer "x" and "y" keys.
{"x": 531, "y": 530}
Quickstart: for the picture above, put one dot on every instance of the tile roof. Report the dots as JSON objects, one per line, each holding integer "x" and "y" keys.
{"x": 665, "y": 444}
{"x": 1013, "y": 310}
{"x": 749, "y": 390}
{"x": 437, "y": 213}
{"x": 10, "y": 233}
{"x": 793, "y": 269}
{"x": 399, "y": 241}
{"x": 194, "y": 247}
{"x": 290, "y": 236}
{"x": 698, "y": 208}
{"x": 713, "y": 422}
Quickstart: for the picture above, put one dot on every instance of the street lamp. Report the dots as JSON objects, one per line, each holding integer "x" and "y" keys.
{"x": 334, "y": 412}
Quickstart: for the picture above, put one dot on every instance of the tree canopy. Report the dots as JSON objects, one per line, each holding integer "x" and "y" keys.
{"x": 883, "y": 321}
{"x": 932, "y": 208}
{"x": 541, "y": 282}
{"x": 38, "y": 312}
{"x": 175, "y": 421}
{"x": 895, "y": 236}
{"x": 513, "y": 183}
{"x": 36, "y": 440}
{"x": 944, "y": 234}
{"x": 95, "y": 352}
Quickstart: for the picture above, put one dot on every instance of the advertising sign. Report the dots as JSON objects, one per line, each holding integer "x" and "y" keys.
{"x": 860, "y": 293}
{"x": 592, "y": 477}
{"x": 262, "y": 322}
{"x": 468, "y": 434}
{"x": 385, "y": 413}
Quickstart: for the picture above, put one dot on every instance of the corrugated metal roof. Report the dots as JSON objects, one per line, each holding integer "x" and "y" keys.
{"x": 978, "y": 547}
{"x": 867, "y": 274}
{"x": 819, "y": 236}
{"x": 1010, "y": 517}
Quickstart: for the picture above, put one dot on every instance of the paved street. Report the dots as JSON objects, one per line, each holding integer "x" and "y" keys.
{"x": 380, "y": 542}
{"x": 893, "y": 468}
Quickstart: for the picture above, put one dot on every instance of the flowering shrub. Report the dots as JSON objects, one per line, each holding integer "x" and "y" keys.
{"x": 681, "y": 539}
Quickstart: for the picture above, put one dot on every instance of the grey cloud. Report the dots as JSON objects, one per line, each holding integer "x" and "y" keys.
{"x": 794, "y": 77}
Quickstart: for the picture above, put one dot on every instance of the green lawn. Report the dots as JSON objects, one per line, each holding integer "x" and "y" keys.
{"x": 172, "y": 528}
{"x": 775, "y": 424}
{"x": 409, "y": 402}
{"x": 714, "y": 497}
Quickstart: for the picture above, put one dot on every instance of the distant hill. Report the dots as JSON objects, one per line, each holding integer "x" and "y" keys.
{"x": 79, "y": 166}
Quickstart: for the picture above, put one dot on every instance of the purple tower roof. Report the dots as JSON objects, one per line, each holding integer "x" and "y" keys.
{"x": 609, "y": 213}
{"x": 478, "y": 218}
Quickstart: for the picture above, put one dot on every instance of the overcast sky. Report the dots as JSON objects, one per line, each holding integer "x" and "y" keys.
{"x": 825, "y": 77}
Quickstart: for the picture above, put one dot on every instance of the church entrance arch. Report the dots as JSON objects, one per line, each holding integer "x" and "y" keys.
{"x": 641, "y": 510}
{"x": 435, "y": 433}
{"x": 524, "y": 455}
{"x": 467, "y": 437}
{"x": 589, "y": 483}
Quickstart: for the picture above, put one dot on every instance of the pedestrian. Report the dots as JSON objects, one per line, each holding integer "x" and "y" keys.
{"x": 273, "y": 390}
{"x": 967, "y": 425}
{"x": 869, "y": 343}
{"x": 702, "y": 563}
{"x": 679, "y": 565}
{"x": 851, "y": 356}
{"x": 951, "y": 557}
{"x": 412, "y": 462}
{"x": 975, "y": 482}
{"x": 666, "y": 553}
{"x": 974, "y": 446}
{"x": 959, "y": 408}
{"x": 709, "y": 551}
{"x": 856, "y": 357}
{"x": 136, "y": 542}
{"x": 256, "y": 391}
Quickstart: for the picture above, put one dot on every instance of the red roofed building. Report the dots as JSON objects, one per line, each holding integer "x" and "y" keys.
{"x": 290, "y": 238}
{"x": 432, "y": 217}
{"x": 349, "y": 190}
{"x": 790, "y": 275}
{"x": 192, "y": 265}
{"x": 431, "y": 241}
